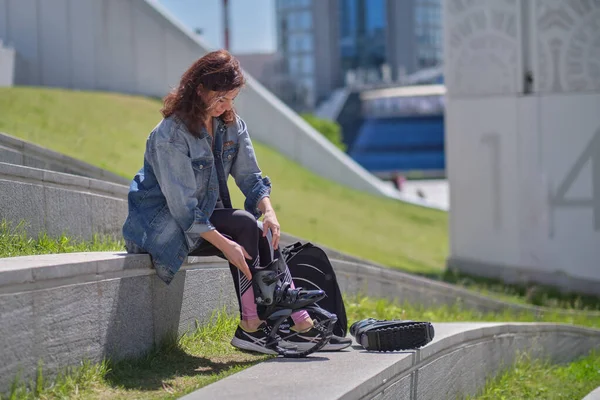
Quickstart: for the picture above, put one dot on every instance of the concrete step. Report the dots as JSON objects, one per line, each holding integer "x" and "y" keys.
{"x": 57, "y": 203}
{"x": 14, "y": 150}
{"x": 456, "y": 363}
{"x": 63, "y": 308}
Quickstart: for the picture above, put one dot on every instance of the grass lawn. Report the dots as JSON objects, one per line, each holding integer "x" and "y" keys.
{"x": 14, "y": 242}
{"x": 539, "y": 379}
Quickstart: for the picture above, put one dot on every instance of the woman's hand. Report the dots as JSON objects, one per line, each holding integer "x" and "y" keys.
{"x": 270, "y": 223}
{"x": 237, "y": 255}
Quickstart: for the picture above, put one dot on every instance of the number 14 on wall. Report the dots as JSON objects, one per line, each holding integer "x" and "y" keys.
{"x": 559, "y": 199}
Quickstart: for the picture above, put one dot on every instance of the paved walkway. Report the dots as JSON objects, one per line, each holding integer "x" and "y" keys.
{"x": 434, "y": 192}
{"x": 442, "y": 369}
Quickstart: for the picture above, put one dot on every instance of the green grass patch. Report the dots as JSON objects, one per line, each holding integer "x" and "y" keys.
{"x": 170, "y": 371}
{"x": 15, "y": 242}
{"x": 532, "y": 294}
{"x": 540, "y": 379}
{"x": 359, "y": 307}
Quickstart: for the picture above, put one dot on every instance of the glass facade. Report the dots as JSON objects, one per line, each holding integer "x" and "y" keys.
{"x": 362, "y": 35}
{"x": 428, "y": 32}
{"x": 296, "y": 43}
{"x": 366, "y": 52}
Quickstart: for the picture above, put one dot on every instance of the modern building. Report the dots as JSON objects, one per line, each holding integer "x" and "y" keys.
{"x": 414, "y": 36}
{"x": 307, "y": 38}
{"x": 331, "y": 43}
{"x": 363, "y": 45}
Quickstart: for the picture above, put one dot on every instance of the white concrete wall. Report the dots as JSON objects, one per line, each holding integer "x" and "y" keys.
{"x": 134, "y": 46}
{"x": 7, "y": 65}
{"x": 524, "y": 164}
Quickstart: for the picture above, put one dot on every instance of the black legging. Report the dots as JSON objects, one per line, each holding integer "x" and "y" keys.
{"x": 241, "y": 227}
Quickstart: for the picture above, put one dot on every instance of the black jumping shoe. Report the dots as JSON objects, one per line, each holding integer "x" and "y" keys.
{"x": 276, "y": 301}
{"x": 392, "y": 335}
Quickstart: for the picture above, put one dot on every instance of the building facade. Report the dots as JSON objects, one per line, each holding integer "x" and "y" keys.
{"x": 363, "y": 43}
{"x": 307, "y": 38}
{"x": 523, "y": 141}
{"x": 332, "y": 43}
{"x": 414, "y": 36}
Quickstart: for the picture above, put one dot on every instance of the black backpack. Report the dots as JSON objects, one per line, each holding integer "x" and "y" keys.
{"x": 311, "y": 269}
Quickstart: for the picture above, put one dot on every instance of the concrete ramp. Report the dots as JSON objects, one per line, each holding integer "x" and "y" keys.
{"x": 457, "y": 363}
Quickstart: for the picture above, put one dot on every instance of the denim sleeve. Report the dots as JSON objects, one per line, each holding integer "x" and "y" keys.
{"x": 175, "y": 175}
{"x": 247, "y": 174}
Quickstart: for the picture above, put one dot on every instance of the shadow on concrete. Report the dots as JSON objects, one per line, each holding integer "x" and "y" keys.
{"x": 363, "y": 350}
{"x": 145, "y": 312}
{"x": 310, "y": 358}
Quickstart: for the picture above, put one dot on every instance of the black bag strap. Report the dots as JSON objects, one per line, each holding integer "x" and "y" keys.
{"x": 291, "y": 250}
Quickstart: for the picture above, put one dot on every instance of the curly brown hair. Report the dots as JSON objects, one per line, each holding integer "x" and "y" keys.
{"x": 217, "y": 72}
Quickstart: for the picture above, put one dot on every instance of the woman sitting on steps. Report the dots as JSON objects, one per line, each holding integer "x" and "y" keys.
{"x": 179, "y": 203}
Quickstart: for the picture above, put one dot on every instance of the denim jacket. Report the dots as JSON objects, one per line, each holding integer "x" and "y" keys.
{"x": 174, "y": 194}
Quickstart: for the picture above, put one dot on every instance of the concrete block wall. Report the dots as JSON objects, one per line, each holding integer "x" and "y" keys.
{"x": 58, "y": 203}
{"x": 64, "y": 308}
{"x": 21, "y": 152}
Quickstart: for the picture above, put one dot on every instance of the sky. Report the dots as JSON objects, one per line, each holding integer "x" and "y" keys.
{"x": 251, "y": 22}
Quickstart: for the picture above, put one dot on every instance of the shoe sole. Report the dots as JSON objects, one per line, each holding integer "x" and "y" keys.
{"x": 244, "y": 345}
{"x": 403, "y": 336}
{"x": 306, "y": 346}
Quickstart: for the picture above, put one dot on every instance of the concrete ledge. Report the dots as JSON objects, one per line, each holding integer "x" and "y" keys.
{"x": 58, "y": 203}
{"x": 67, "y": 307}
{"x": 512, "y": 274}
{"x": 18, "y": 151}
{"x": 457, "y": 363}
{"x": 593, "y": 395}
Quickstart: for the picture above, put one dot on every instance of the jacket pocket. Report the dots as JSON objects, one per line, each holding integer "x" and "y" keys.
{"x": 203, "y": 167}
{"x": 229, "y": 154}
{"x": 202, "y": 164}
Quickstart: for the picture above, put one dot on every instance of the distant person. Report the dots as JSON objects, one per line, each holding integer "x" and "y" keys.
{"x": 179, "y": 203}
{"x": 398, "y": 180}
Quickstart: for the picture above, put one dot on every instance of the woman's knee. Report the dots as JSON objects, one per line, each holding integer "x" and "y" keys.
{"x": 244, "y": 220}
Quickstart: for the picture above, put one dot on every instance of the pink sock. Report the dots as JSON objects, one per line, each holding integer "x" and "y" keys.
{"x": 299, "y": 316}
{"x": 249, "y": 308}
{"x": 248, "y": 305}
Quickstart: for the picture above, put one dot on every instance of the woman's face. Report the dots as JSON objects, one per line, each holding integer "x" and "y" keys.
{"x": 222, "y": 102}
